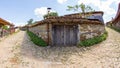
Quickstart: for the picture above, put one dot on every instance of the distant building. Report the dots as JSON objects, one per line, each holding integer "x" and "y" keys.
{"x": 4, "y": 31}
{"x": 4, "y": 22}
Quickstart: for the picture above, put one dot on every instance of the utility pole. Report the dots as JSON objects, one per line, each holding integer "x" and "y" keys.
{"x": 48, "y": 29}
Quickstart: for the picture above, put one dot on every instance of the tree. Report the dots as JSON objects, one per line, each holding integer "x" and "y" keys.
{"x": 80, "y": 8}
{"x": 83, "y": 7}
{"x": 30, "y": 21}
{"x": 50, "y": 14}
{"x": 5, "y": 27}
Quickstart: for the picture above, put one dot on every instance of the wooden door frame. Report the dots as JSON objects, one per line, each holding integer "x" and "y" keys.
{"x": 78, "y": 32}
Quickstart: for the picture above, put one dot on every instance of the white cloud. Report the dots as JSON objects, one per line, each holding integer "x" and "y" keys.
{"x": 102, "y": 6}
{"x": 9, "y": 21}
{"x": 96, "y": 3}
{"x": 61, "y": 1}
{"x": 117, "y": 1}
{"x": 20, "y": 24}
{"x": 40, "y": 12}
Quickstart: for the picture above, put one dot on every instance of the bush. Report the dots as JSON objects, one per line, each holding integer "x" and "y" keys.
{"x": 36, "y": 40}
{"x": 5, "y": 27}
{"x": 94, "y": 40}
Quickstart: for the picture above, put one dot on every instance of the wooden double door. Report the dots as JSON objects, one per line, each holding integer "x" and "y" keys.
{"x": 65, "y": 35}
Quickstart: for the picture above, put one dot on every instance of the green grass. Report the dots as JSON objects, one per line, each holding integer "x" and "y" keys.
{"x": 36, "y": 40}
{"x": 95, "y": 40}
{"x": 116, "y": 29}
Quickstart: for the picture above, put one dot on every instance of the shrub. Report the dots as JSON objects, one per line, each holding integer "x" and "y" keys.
{"x": 94, "y": 40}
{"x": 5, "y": 27}
{"x": 36, "y": 40}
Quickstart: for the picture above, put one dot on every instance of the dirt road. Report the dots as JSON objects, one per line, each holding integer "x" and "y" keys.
{"x": 17, "y": 51}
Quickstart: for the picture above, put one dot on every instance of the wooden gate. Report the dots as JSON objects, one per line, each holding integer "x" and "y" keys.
{"x": 64, "y": 35}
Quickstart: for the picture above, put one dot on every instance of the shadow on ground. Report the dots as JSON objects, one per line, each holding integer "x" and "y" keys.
{"x": 52, "y": 54}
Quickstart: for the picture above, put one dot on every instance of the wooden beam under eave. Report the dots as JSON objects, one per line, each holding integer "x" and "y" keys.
{"x": 4, "y": 22}
{"x": 1, "y": 24}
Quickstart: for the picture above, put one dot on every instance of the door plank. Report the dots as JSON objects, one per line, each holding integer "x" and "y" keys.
{"x": 65, "y": 35}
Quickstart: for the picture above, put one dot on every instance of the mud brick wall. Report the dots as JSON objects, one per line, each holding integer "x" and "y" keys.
{"x": 86, "y": 30}
{"x": 117, "y": 25}
{"x": 40, "y": 31}
{"x": 90, "y": 30}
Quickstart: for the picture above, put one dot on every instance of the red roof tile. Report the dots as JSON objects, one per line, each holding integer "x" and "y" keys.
{"x": 117, "y": 17}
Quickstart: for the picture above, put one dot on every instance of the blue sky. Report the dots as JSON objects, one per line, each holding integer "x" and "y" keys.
{"x": 20, "y": 11}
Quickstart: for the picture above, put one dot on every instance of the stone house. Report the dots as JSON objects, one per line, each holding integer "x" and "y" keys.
{"x": 4, "y": 32}
{"x": 109, "y": 23}
{"x": 68, "y": 30}
{"x": 116, "y": 20}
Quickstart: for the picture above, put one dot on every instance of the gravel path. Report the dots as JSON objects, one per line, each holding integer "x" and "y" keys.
{"x": 17, "y": 51}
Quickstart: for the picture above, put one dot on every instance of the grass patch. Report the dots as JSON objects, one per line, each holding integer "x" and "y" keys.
{"x": 95, "y": 40}
{"x": 36, "y": 40}
{"x": 116, "y": 29}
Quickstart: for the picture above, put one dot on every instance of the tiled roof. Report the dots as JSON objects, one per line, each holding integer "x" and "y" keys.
{"x": 96, "y": 12}
{"x": 69, "y": 19}
{"x": 4, "y": 22}
{"x": 117, "y": 17}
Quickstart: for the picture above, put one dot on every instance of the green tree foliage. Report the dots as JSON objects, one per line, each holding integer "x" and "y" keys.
{"x": 5, "y": 27}
{"x": 30, "y": 21}
{"x": 50, "y": 14}
{"x": 80, "y": 8}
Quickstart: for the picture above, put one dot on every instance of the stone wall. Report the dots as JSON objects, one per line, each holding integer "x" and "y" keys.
{"x": 117, "y": 25}
{"x": 86, "y": 31}
{"x": 90, "y": 30}
{"x": 40, "y": 31}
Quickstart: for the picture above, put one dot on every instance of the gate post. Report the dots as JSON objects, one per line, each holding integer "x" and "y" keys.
{"x": 78, "y": 41}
